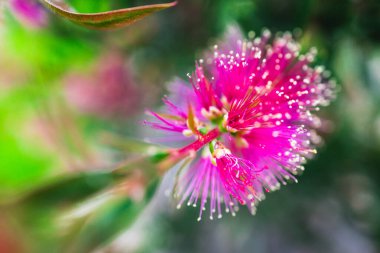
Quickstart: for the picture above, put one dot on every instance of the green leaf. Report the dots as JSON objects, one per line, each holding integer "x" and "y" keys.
{"x": 113, "y": 215}
{"x": 151, "y": 189}
{"x": 69, "y": 189}
{"x": 105, "y": 20}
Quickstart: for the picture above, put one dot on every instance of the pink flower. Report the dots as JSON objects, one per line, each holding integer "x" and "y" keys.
{"x": 29, "y": 12}
{"x": 250, "y": 114}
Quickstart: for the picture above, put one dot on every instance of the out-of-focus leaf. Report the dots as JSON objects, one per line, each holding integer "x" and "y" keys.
{"x": 125, "y": 144}
{"x": 151, "y": 189}
{"x": 105, "y": 20}
{"x": 74, "y": 187}
{"x": 70, "y": 188}
{"x": 114, "y": 214}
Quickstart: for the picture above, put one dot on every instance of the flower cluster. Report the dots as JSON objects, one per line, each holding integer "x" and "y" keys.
{"x": 249, "y": 113}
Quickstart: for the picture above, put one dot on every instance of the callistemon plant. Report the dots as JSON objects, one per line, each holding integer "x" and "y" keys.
{"x": 248, "y": 113}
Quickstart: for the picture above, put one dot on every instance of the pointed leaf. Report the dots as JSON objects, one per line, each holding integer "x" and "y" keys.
{"x": 69, "y": 189}
{"x": 112, "y": 217}
{"x": 105, "y": 20}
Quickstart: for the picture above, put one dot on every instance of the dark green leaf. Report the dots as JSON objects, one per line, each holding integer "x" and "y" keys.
{"x": 102, "y": 226}
{"x": 70, "y": 188}
{"x": 109, "y": 219}
{"x": 151, "y": 189}
{"x": 105, "y": 20}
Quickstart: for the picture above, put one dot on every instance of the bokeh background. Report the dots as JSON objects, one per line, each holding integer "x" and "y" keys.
{"x": 72, "y": 101}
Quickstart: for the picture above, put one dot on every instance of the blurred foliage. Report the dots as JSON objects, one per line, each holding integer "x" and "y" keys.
{"x": 57, "y": 158}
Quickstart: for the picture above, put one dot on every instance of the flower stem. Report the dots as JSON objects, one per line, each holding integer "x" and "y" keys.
{"x": 202, "y": 140}
{"x": 177, "y": 155}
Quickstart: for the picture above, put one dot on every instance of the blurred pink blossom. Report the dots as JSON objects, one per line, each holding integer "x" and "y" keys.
{"x": 29, "y": 12}
{"x": 108, "y": 90}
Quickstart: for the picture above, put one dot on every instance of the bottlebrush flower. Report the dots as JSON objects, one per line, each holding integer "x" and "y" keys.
{"x": 250, "y": 114}
{"x": 29, "y": 12}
